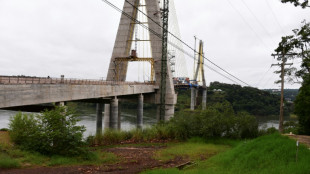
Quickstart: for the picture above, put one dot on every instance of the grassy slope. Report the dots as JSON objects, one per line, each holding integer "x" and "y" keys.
{"x": 12, "y": 157}
{"x": 192, "y": 150}
{"x": 271, "y": 154}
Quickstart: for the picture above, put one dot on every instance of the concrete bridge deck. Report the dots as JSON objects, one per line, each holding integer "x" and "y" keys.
{"x": 21, "y": 91}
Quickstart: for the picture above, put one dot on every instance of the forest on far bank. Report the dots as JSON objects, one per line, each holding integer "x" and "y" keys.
{"x": 252, "y": 100}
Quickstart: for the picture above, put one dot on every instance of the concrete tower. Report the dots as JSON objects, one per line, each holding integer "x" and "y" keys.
{"x": 123, "y": 45}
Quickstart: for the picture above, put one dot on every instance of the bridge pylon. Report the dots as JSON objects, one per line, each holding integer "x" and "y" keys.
{"x": 199, "y": 79}
{"x": 126, "y": 44}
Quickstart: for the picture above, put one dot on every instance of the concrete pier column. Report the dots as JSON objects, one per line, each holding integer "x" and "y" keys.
{"x": 106, "y": 118}
{"x": 140, "y": 112}
{"x": 119, "y": 118}
{"x": 114, "y": 113}
{"x": 204, "y": 99}
{"x": 169, "y": 112}
{"x": 99, "y": 118}
{"x": 169, "y": 109}
{"x": 193, "y": 98}
{"x": 158, "y": 113}
{"x": 60, "y": 103}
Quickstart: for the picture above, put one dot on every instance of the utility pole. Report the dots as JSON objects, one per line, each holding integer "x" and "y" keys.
{"x": 283, "y": 64}
{"x": 164, "y": 60}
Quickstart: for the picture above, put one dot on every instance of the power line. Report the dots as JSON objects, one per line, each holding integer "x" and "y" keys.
{"x": 263, "y": 76}
{"x": 245, "y": 21}
{"x": 274, "y": 16}
{"x": 256, "y": 18}
{"x": 264, "y": 86}
{"x": 187, "y": 45}
{"x": 159, "y": 35}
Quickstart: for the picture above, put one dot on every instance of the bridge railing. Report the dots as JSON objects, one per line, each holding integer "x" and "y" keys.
{"x": 19, "y": 80}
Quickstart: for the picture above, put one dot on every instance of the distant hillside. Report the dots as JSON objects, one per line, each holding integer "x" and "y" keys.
{"x": 288, "y": 93}
{"x": 252, "y": 100}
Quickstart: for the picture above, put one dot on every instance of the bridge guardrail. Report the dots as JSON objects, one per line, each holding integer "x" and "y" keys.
{"x": 20, "y": 80}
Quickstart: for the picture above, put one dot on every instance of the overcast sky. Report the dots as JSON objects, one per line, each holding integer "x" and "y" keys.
{"x": 76, "y": 37}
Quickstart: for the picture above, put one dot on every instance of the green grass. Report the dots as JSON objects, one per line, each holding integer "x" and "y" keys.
{"x": 194, "y": 149}
{"x": 94, "y": 158}
{"x": 7, "y": 162}
{"x": 12, "y": 157}
{"x": 272, "y": 154}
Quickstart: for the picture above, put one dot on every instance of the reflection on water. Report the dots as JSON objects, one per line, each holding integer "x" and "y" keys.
{"x": 265, "y": 122}
{"x": 88, "y": 119}
{"x": 5, "y": 118}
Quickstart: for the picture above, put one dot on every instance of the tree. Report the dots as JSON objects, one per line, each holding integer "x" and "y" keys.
{"x": 302, "y": 108}
{"x": 296, "y": 46}
{"x": 302, "y": 3}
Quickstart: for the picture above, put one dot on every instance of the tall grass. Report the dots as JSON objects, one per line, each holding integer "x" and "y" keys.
{"x": 110, "y": 137}
{"x": 192, "y": 150}
{"x": 8, "y": 162}
{"x": 271, "y": 154}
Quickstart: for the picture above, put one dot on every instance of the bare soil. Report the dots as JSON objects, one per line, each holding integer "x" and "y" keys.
{"x": 304, "y": 139}
{"x": 133, "y": 160}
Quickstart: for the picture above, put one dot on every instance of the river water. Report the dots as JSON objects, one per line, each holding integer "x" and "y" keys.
{"x": 88, "y": 119}
{"x": 128, "y": 119}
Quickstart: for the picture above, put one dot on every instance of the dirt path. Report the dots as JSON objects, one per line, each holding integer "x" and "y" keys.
{"x": 301, "y": 138}
{"x": 133, "y": 160}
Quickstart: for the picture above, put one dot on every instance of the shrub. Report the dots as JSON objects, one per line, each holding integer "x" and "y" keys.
{"x": 51, "y": 132}
{"x": 269, "y": 131}
{"x": 218, "y": 120}
{"x": 291, "y": 126}
{"x": 4, "y": 129}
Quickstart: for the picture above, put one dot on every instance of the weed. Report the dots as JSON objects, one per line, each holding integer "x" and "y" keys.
{"x": 8, "y": 162}
{"x": 271, "y": 154}
{"x": 193, "y": 150}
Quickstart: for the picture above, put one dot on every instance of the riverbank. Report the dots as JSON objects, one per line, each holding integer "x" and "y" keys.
{"x": 268, "y": 154}
{"x": 126, "y": 158}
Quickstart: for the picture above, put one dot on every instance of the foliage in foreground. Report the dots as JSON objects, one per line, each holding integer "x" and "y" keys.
{"x": 272, "y": 154}
{"x": 302, "y": 3}
{"x": 12, "y": 157}
{"x": 218, "y": 120}
{"x": 7, "y": 162}
{"x": 50, "y": 133}
{"x": 302, "y": 108}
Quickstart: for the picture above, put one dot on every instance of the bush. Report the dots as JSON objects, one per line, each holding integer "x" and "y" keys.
{"x": 50, "y": 133}
{"x": 218, "y": 120}
{"x": 4, "y": 129}
{"x": 291, "y": 126}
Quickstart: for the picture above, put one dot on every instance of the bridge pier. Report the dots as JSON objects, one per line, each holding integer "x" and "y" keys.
{"x": 169, "y": 108}
{"x": 204, "y": 99}
{"x": 99, "y": 118}
{"x": 114, "y": 113}
{"x": 60, "y": 103}
{"x": 140, "y": 111}
{"x": 193, "y": 98}
{"x": 106, "y": 118}
{"x": 119, "y": 118}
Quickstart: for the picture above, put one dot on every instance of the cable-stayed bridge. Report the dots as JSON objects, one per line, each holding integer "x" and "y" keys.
{"x": 138, "y": 43}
